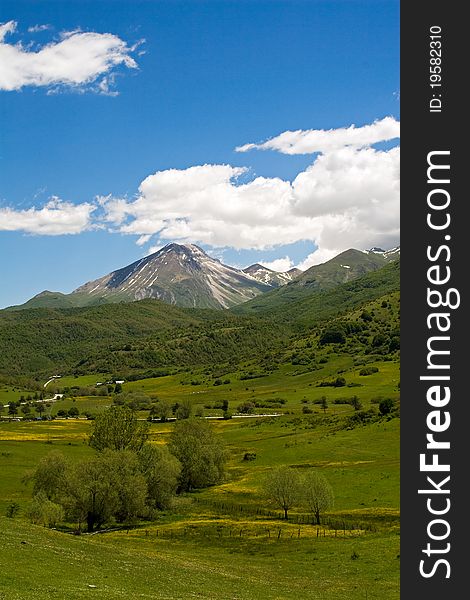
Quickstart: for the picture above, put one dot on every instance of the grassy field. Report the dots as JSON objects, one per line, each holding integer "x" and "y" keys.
{"x": 226, "y": 541}
{"x": 40, "y": 564}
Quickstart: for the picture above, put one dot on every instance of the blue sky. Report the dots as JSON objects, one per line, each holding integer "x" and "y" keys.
{"x": 191, "y": 82}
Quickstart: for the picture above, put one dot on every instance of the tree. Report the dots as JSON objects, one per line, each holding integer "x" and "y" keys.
{"x": 246, "y": 408}
{"x": 118, "y": 429}
{"x": 324, "y": 403}
{"x": 356, "y": 403}
{"x": 106, "y": 486}
{"x": 50, "y": 476}
{"x": 43, "y": 511}
{"x": 318, "y": 494}
{"x": 73, "y": 412}
{"x": 161, "y": 471}
{"x": 386, "y": 406}
{"x": 283, "y": 488}
{"x": 25, "y": 410}
{"x": 333, "y": 335}
{"x": 200, "y": 452}
{"x": 40, "y": 408}
{"x": 12, "y": 408}
{"x": 184, "y": 410}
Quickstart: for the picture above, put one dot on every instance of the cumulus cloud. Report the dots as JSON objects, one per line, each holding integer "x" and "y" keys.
{"x": 347, "y": 198}
{"x": 207, "y": 204}
{"x": 55, "y": 218}
{"x": 279, "y": 264}
{"x": 79, "y": 60}
{"x": 321, "y": 140}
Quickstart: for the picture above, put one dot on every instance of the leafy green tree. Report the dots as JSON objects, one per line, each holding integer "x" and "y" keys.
{"x": 356, "y": 403}
{"x": 50, "y": 476}
{"x": 324, "y": 403}
{"x": 200, "y": 452}
{"x": 117, "y": 428}
{"x": 106, "y": 486}
{"x": 163, "y": 410}
{"x": 73, "y": 412}
{"x": 184, "y": 410}
{"x": 26, "y": 410}
{"x": 12, "y": 408}
{"x": 246, "y": 408}
{"x": 161, "y": 471}
{"x": 317, "y": 493}
{"x": 43, "y": 511}
{"x": 333, "y": 335}
{"x": 40, "y": 408}
{"x": 386, "y": 406}
{"x": 283, "y": 487}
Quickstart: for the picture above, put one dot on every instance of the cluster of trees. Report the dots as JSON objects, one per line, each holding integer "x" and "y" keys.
{"x": 14, "y": 408}
{"x": 127, "y": 478}
{"x": 286, "y": 488}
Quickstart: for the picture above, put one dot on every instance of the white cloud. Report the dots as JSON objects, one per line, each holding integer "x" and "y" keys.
{"x": 55, "y": 218}
{"x": 279, "y": 264}
{"x": 346, "y": 198}
{"x": 206, "y": 204}
{"x": 318, "y": 257}
{"x": 78, "y": 60}
{"x": 321, "y": 140}
{"x": 347, "y": 179}
{"x": 37, "y": 28}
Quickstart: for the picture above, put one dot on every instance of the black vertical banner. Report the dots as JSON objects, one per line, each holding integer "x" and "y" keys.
{"x": 435, "y": 435}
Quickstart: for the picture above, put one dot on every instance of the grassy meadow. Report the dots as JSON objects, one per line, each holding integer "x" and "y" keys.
{"x": 226, "y": 541}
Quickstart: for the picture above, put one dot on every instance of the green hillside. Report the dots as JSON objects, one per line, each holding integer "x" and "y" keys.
{"x": 128, "y": 337}
{"x": 300, "y": 304}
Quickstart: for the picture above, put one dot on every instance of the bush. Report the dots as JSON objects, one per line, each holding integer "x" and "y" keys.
{"x": 246, "y": 408}
{"x": 368, "y": 371}
{"x": 386, "y": 406}
{"x": 248, "y": 456}
{"x": 333, "y": 336}
{"x": 361, "y": 417}
{"x": 45, "y": 512}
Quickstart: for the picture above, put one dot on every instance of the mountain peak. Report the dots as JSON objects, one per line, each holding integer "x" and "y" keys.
{"x": 181, "y": 274}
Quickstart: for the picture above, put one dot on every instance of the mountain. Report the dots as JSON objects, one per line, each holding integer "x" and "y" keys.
{"x": 346, "y": 267}
{"x": 149, "y": 335}
{"x": 184, "y": 275}
{"x": 270, "y": 277}
{"x": 178, "y": 274}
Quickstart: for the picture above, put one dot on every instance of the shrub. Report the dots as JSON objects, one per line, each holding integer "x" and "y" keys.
{"x": 386, "y": 406}
{"x": 368, "y": 371}
{"x": 246, "y": 408}
{"x": 333, "y": 336}
{"x": 248, "y": 456}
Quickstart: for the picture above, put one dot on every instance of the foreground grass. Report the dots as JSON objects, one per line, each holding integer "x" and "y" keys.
{"x": 38, "y": 564}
